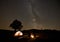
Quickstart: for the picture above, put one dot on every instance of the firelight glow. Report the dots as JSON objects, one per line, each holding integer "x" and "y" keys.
{"x": 32, "y": 36}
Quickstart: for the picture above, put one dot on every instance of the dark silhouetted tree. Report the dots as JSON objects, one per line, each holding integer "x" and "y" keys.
{"x": 16, "y": 25}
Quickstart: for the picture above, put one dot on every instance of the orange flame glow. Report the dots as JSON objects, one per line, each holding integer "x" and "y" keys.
{"x": 32, "y": 36}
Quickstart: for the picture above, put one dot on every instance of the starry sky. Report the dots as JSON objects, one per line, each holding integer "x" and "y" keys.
{"x": 34, "y": 14}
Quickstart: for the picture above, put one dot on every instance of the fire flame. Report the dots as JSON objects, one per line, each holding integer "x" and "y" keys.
{"x": 32, "y": 36}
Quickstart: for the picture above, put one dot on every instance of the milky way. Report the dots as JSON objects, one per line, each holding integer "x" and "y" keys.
{"x": 34, "y": 14}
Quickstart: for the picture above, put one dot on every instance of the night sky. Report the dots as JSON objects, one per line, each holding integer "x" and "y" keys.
{"x": 34, "y": 14}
